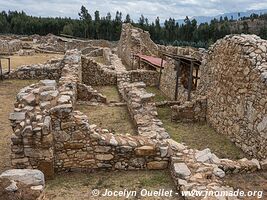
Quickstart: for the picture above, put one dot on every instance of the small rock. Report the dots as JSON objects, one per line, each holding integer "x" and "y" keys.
{"x": 181, "y": 170}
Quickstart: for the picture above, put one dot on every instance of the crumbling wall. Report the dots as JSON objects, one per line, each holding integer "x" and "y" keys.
{"x": 11, "y": 46}
{"x": 50, "y": 70}
{"x": 133, "y": 41}
{"x": 236, "y": 86}
{"x": 190, "y": 111}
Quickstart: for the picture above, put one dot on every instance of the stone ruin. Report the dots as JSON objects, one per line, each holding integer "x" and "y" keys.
{"x": 51, "y": 136}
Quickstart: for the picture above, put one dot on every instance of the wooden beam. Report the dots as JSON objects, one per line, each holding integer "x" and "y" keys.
{"x": 190, "y": 80}
{"x": 196, "y": 76}
{"x": 1, "y": 70}
{"x": 160, "y": 72}
{"x": 177, "y": 64}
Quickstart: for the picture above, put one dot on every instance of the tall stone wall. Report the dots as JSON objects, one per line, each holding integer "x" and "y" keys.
{"x": 133, "y": 41}
{"x": 235, "y": 81}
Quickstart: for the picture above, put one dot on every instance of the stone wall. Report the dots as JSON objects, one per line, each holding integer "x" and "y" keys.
{"x": 149, "y": 77}
{"x": 11, "y": 46}
{"x": 51, "y": 136}
{"x": 190, "y": 111}
{"x": 142, "y": 108}
{"x": 235, "y": 82}
{"x": 95, "y": 73}
{"x": 133, "y": 41}
{"x": 50, "y": 70}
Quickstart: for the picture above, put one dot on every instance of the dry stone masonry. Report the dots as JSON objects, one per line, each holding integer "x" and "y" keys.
{"x": 235, "y": 81}
{"x": 50, "y": 135}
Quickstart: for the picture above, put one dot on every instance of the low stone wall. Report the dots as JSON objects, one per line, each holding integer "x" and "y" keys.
{"x": 203, "y": 171}
{"x": 94, "y": 73}
{"x": 234, "y": 79}
{"x": 190, "y": 111}
{"x": 149, "y": 77}
{"x": 141, "y": 107}
{"x": 51, "y": 136}
{"x": 51, "y": 70}
{"x": 87, "y": 93}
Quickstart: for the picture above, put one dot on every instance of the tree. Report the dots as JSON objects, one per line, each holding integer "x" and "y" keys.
{"x": 128, "y": 19}
{"x": 68, "y": 29}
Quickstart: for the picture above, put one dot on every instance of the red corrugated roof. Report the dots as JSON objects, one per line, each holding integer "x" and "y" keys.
{"x": 151, "y": 59}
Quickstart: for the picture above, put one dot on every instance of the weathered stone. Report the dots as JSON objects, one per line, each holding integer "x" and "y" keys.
{"x": 145, "y": 151}
{"x": 218, "y": 172}
{"x": 181, "y": 170}
{"x": 157, "y": 165}
{"x": 206, "y": 156}
{"x": 104, "y": 156}
{"x": 18, "y": 116}
{"x": 27, "y": 176}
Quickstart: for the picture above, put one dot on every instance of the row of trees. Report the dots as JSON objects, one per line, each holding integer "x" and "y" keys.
{"x": 109, "y": 28}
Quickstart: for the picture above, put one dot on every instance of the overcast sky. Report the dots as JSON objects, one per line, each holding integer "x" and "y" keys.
{"x": 177, "y": 9}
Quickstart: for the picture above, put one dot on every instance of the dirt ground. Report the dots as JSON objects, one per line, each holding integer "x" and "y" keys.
{"x": 77, "y": 186}
{"x": 8, "y": 91}
{"x": 17, "y": 61}
{"x": 200, "y": 136}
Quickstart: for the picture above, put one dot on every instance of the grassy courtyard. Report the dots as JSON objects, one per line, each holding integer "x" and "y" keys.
{"x": 200, "y": 136}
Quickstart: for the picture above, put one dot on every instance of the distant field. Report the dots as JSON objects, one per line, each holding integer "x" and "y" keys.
{"x": 17, "y": 61}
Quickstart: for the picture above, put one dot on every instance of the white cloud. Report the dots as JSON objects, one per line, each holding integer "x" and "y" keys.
{"x": 149, "y": 8}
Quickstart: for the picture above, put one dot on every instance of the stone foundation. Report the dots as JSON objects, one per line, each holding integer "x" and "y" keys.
{"x": 190, "y": 111}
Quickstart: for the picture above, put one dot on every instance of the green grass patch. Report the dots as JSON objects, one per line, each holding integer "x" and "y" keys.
{"x": 116, "y": 119}
{"x": 159, "y": 96}
{"x": 111, "y": 92}
{"x": 200, "y": 136}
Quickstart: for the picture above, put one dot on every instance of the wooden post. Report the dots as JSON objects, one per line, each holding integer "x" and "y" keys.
{"x": 190, "y": 81}
{"x": 9, "y": 65}
{"x": 196, "y": 76}
{"x": 1, "y": 70}
{"x": 177, "y": 79}
{"x": 160, "y": 72}
{"x": 139, "y": 65}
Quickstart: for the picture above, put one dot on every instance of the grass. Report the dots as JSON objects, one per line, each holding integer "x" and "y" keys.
{"x": 256, "y": 181}
{"x": 159, "y": 96}
{"x": 111, "y": 92}
{"x": 116, "y": 119}
{"x": 100, "y": 59}
{"x": 200, "y": 136}
{"x": 8, "y": 91}
{"x": 17, "y": 61}
{"x": 74, "y": 186}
